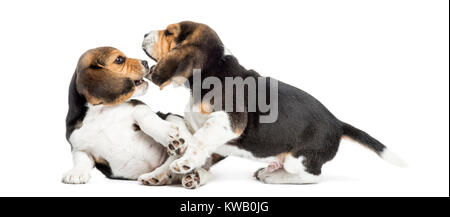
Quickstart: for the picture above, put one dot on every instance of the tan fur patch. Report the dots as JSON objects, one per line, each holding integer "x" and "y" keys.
{"x": 165, "y": 84}
{"x": 205, "y": 108}
{"x": 165, "y": 42}
{"x": 283, "y": 156}
{"x": 79, "y": 124}
{"x": 100, "y": 160}
{"x": 238, "y": 131}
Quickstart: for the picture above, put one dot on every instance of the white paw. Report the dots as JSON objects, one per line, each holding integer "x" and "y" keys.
{"x": 262, "y": 174}
{"x": 154, "y": 178}
{"x": 191, "y": 180}
{"x": 177, "y": 142}
{"x": 76, "y": 177}
{"x": 182, "y": 166}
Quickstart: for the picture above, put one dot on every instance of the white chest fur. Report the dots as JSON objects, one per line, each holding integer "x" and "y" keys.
{"x": 194, "y": 117}
{"x": 107, "y": 133}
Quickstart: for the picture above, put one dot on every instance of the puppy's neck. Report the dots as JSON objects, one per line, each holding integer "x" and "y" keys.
{"x": 94, "y": 107}
{"x": 100, "y": 106}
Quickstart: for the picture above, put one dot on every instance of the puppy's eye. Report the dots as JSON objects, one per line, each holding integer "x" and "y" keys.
{"x": 119, "y": 60}
{"x": 167, "y": 33}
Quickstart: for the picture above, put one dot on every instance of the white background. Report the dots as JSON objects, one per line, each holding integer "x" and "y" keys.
{"x": 380, "y": 65}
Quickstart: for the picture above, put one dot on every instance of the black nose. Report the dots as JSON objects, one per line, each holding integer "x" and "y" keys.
{"x": 144, "y": 63}
{"x": 145, "y": 36}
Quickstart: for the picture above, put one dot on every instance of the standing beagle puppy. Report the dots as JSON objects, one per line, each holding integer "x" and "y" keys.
{"x": 304, "y": 136}
{"x": 106, "y": 129}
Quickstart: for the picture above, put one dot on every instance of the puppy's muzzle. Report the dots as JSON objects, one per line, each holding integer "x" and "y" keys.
{"x": 150, "y": 40}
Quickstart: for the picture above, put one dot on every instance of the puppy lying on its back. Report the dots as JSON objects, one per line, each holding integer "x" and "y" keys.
{"x": 122, "y": 138}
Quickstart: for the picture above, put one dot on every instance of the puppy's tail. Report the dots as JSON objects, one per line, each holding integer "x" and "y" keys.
{"x": 365, "y": 139}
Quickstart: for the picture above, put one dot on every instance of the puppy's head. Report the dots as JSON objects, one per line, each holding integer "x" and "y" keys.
{"x": 179, "y": 49}
{"x": 106, "y": 76}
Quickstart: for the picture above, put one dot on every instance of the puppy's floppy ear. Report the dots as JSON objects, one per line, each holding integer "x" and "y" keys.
{"x": 181, "y": 61}
{"x": 101, "y": 86}
{"x": 77, "y": 107}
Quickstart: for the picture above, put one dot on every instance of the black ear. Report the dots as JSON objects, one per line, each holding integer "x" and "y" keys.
{"x": 77, "y": 107}
{"x": 101, "y": 86}
{"x": 178, "y": 62}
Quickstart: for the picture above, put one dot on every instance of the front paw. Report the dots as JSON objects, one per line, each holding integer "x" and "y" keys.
{"x": 182, "y": 166}
{"x": 177, "y": 144}
{"x": 76, "y": 177}
{"x": 155, "y": 178}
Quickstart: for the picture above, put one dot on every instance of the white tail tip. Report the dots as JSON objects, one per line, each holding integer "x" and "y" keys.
{"x": 393, "y": 158}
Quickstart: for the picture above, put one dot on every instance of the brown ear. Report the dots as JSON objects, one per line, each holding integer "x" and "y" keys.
{"x": 179, "y": 62}
{"x": 101, "y": 86}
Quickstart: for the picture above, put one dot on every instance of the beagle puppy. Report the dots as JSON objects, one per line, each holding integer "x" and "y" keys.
{"x": 304, "y": 136}
{"x": 120, "y": 136}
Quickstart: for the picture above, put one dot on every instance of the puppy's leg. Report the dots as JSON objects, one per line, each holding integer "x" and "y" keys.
{"x": 293, "y": 172}
{"x": 299, "y": 167}
{"x": 160, "y": 176}
{"x": 153, "y": 125}
{"x": 196, "y": 178}
{"x": 178, "y": 141}
{"x": 200, "y": 176}
{"x": 279, "y": 176}
{"x": 216, "y": 131}
{"x": 82, "y": 166}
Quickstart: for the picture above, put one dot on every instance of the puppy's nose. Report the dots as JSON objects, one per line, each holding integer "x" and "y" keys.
{"x": 144, "y": 63}
{"x": 145, "y": 36}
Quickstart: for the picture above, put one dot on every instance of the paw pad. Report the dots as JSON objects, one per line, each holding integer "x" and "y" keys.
{"x": 177, "y": 145}
{"x": 181, "y": 166}
{"x": 191, "y": 180}
{"x": 154, "y": 179}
